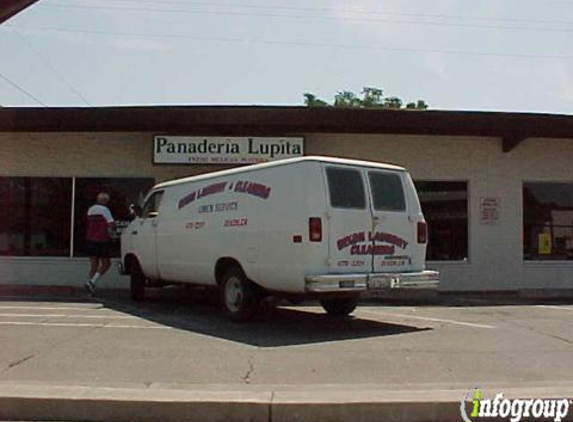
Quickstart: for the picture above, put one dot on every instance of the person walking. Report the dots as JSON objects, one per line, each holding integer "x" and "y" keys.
{"x": 98, "y": 237}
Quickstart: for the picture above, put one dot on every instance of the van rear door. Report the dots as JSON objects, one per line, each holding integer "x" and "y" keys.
{"x": 349, "y": 220}
{"x": 394, "y": 242}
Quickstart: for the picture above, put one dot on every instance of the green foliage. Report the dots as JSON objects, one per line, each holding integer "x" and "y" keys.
{"x": 418, "y": 105}
{"x": 371, "y": 98}
{"x": 346, "y": 99}
{"x": 310, "y": 100}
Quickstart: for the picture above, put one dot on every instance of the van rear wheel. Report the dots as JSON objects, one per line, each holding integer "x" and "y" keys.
{"x": 239, "y": 296}
{"x": 137, "y": 283}
{"x": 339, "y": 306}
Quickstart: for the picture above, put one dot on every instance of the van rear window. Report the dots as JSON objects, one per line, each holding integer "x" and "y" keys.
{"x": 346, "y": 188}
{"x": 387, "y": 192}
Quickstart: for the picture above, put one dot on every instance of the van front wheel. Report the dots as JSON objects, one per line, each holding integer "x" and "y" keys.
{"x": 239, "y": 296}
{"x": 340, "y": 306}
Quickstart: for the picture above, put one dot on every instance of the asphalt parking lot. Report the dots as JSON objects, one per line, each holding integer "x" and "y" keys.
{"x": 176, "y": 340}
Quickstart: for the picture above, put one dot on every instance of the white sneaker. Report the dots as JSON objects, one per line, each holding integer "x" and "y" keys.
{"x": 90, "y": 287}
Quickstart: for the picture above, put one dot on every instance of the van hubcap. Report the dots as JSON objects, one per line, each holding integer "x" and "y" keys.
{"x": 234, "y": 294}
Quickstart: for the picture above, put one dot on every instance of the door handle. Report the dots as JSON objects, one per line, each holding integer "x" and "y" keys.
{"x": 134, "y": 232}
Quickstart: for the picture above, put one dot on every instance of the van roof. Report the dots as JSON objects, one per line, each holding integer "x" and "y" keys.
{"x": 277, "y": 163}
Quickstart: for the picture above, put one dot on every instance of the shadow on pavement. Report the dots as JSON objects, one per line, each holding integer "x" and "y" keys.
{"x": 273, "y": 327}
{"x": 198, "y": 312}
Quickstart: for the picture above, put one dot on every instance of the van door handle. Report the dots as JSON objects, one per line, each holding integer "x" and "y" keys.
{"x": 134, "y": 232}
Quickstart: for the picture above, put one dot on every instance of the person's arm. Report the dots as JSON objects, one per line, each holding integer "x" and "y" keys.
{"x": 110, "y": 223}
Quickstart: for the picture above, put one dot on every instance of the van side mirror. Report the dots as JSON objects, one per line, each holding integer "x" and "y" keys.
{"x": 135, "y": 210}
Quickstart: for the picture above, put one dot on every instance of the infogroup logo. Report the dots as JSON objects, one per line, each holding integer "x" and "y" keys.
{"x": 513, "y": 410}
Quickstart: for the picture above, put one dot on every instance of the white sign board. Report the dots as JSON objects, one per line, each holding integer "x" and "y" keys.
{"x": 223, "y": 150}
{"x": 489, "y": 210}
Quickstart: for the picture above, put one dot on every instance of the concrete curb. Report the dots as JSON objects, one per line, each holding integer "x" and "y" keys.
{"x": 31, "y": 289}
{"x": 61, "y": 403}
{"x": 261, "y": 403}
{"x": 400, "y": 297}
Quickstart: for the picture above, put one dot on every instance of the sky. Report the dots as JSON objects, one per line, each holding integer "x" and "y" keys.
{"x": 490, "y": 55}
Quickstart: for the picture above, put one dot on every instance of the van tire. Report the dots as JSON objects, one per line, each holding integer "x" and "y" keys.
{"x": 340, "y": 306}
{"x": 240, "y": 297}
{"x": 137, "y": 283}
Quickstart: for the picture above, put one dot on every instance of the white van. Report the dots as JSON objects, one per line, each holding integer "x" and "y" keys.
{"x": 310, "y": 227}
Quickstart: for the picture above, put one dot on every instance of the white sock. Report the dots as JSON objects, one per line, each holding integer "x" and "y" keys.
{"x": 95, "y": 277}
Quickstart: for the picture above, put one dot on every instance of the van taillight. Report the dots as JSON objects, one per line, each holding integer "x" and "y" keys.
{"x": 422, "y": 232}
{"x": 315, "y": 229}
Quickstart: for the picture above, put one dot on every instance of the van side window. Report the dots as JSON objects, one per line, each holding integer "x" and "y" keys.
{"x": 387, "y": 192}
{"x": 151, "y": 206}
{"x": 346, "y": 188}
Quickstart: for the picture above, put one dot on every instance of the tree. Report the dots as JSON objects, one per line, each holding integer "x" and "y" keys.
{"x": 371, "y": 98}
{"x": 346, "y": 99}
{"x": 310, "y": 100}
{"x": 419, "y": 105}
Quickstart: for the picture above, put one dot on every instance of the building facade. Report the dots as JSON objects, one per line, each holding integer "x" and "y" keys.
{"x": 496, "y": 188}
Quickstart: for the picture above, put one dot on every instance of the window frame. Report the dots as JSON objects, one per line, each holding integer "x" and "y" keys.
{"x": 470, "y": 214}
{"x": 364, "y": 187}
{"x": 72, "y": 217}
{"x": 151, "y": 195}
{"x": 29, "y": 183}
{"x": 538, "y": 262}
{"x": 371, "y": 172}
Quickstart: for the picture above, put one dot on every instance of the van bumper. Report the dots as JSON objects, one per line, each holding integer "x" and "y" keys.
{"x": 332, "y": 283}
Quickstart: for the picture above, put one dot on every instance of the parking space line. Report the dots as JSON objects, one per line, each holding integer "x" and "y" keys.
{"x": 67, "y": 316}
{"x": 81, "y": 325}
{"x": 447, "y": 321}
{"x": 559, "y": 308}
{"x": 55, "y": 308}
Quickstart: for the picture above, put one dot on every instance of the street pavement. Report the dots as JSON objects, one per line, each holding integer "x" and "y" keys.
{"x": 178, "y": 340}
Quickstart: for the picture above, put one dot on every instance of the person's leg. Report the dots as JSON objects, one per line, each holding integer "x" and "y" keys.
{"x": 93, "y": 266}
{"x": 90, "y": 284}
{"x": 103, "y": 262}
{"x": 104, "y": 265}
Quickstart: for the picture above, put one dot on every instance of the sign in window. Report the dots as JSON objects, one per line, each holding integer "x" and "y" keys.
{"x": 547, "y": 221}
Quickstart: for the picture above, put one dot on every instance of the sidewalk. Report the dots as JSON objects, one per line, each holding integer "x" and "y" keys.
{"x": 228, "y": 403}
{"x": 174, "y": 359}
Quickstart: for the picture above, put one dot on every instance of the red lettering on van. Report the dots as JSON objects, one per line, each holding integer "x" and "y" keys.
{"x": 252, "y": 188}
{"x": 236, "y": 222}
{"x": 351, "y": 240}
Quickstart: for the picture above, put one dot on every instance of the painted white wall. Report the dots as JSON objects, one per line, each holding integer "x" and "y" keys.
{"x": 56, "y": 272}
{"x": 495, "y": 251}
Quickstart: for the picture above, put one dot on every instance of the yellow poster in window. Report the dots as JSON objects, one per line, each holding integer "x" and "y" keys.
{"x": 544, "y": 244}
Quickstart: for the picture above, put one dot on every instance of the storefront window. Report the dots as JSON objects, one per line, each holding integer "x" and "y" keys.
{"x": 548, "y": 221}
{"x": 445, "y": 207}
{"x": 35, "y": 216}
{"x": 122, "y": 191}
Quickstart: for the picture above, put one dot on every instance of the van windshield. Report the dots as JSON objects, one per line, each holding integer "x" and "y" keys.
{"x": 346, "y": 188}
{"x": 387, "y": 191}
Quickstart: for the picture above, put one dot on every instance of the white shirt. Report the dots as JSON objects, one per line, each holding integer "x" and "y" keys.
{"x": 102, "y": 210}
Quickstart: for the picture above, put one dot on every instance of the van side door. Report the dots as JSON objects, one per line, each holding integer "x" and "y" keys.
{"x": 394, "y": 229}
{"x": 349, "y": 220}
{"x": 144, "y": 234}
